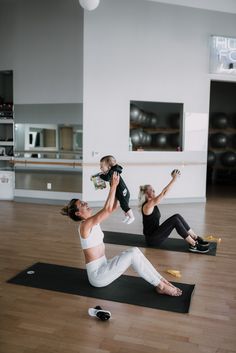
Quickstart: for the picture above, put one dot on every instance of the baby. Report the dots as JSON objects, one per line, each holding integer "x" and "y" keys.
{"x": 108, "y": 166}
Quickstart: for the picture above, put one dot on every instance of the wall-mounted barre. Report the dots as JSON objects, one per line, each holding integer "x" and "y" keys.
{"x": 51, "y": 163}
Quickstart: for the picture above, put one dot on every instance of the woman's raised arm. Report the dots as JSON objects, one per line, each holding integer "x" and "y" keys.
{"x": 109, "y": 206}
{"x": 175, "y": 173}
{"x": 148, "y": 207}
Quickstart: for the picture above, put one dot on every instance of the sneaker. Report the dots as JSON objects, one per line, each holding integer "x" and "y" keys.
{"x": 125, "y": 220}
{"x": 99, "y": 313}
{"x": 130, "y": 220}
{"x": 198, "y": 248}
{"x": 202, "y": 242}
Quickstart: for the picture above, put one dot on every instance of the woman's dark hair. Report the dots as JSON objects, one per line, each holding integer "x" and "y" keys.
{"x": 70, "y": 210}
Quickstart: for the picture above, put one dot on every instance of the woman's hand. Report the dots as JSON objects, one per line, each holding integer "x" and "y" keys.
{"x": 115, "y": 179}
{"x": 109, "y": 206}
{"x": 175, "y": 173}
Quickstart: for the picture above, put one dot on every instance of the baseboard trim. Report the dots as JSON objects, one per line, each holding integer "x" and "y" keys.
{"x": 166, "y": 201}
{"x": 45, "y": 197}
{"x": 60, "y": 198}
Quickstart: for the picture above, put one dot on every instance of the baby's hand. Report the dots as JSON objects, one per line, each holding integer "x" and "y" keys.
{"x": 175, "y": 173}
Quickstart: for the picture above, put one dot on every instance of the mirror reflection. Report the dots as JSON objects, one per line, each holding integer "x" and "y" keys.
{"x": 40, "y": 137}
{"x": 48, "y": 141}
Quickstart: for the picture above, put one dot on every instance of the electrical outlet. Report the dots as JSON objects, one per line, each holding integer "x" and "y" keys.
{"x": 49, "y": 186}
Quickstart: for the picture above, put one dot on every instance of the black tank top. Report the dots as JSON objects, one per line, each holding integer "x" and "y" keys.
{"x": 151, "y": 222}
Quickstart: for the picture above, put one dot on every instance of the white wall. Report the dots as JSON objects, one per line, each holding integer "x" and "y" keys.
{"x": 42, "y": 41}
{"x": 133, "y": 50}
{"x": 216, "y": 5}
{"x": 141, "y": 50}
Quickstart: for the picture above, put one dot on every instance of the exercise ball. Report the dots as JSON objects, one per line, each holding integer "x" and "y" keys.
{"x": 153, "y": 120}
{"x": 134, "y": 113}
{"x": 211, "y": 159}
{"x": 228, "y": 159}
{"x": 142, "y": 119}
{"x": 141, "y": 134}
{"x": 136, "y": 136}
{"x": 233, "y": 140}
{"x": 147, "y": 121}
{"x": 159, "y": 140}
{"x": 174, "y": 140}
{"x": 219, "y": 140}
{"x": 174, "y": 121}
{"x": 234, "y": 120}
{"x": 89, "y": 4}
{"x": 219, "y": 121}
{"x": 147, "y": 139}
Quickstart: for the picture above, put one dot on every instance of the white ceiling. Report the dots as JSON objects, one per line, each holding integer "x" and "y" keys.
{"x": 214, "y": 5}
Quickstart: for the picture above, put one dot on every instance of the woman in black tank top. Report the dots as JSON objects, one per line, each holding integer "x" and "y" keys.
{"x": 154, "y": 232}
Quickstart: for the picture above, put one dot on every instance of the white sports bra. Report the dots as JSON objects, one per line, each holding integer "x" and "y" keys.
{"x": 95, "y": 237}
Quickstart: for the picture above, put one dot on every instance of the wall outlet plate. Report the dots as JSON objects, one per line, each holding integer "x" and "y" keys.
{"x": 49, "y": 186}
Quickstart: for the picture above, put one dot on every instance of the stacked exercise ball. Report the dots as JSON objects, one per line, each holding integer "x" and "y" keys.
{"x": 134, "y": 113}
{"x": 219, "y": 140}
{"x": 219, "y": 121}
{"x": 139, "y": 117}
{"x": 228, "y": 159}
{"x": 140, "y": 138}
{"x": 151, "y": 120}
{"x": 154, "y": 129}
{"x": 211, "y": 158}
{"x": 222, "y": 146}
{"x": 159, "y": 140}
{"x": 142, "y": 118}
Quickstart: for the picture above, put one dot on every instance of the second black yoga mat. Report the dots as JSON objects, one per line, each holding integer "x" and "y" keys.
{"x": 138, "y": 240}
{"x": 126, "y": 289}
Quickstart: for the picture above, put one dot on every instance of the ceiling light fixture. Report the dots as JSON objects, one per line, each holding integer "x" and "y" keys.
{"x": 89, "y": 4}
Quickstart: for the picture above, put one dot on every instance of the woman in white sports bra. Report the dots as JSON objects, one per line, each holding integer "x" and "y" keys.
{"x": 102, "y": 271}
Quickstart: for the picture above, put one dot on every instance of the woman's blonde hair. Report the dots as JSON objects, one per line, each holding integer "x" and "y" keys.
{"x": 142, "y": 195}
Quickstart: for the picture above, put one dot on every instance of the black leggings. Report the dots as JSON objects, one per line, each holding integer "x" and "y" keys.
{"x": 123, "y": 196}
{"x": 163, "y": 231}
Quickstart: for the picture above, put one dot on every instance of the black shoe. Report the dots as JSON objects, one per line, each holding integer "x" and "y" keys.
{"x": 202, "y": 242}
{"x": 198, "y": 248}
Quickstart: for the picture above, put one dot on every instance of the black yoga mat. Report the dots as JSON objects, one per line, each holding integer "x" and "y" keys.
{"x": 138, "y": 240}
{"x": 126, "y": 289}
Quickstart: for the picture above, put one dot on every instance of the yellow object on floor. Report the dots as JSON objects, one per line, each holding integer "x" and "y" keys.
{"x": 212, "y": 238}
{"x": 174, "y": 273}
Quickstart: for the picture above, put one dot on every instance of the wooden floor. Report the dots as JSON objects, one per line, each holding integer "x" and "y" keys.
{"x": 39, "y": 321}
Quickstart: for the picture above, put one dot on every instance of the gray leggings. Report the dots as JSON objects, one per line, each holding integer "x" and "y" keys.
{"x": 102, "y": 271}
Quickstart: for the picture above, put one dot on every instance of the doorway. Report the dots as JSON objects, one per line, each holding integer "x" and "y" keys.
{"x": 221, "y": 162}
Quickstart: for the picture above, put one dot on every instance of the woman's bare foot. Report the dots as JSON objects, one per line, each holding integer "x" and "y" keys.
{"x": 171, "y": 285}
{"x": 167, "y": 282}
{"x": 168, "y": 289}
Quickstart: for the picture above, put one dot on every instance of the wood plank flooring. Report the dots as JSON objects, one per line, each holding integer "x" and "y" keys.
{"x": 39, "y": 321}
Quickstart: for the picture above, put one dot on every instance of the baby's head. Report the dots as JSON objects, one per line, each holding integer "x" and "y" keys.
{"x": 106, "y": 163}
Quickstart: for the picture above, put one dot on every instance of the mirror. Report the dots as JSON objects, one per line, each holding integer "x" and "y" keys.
{"x": 48, "y": 141}
{"x": 42, "y": 138}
